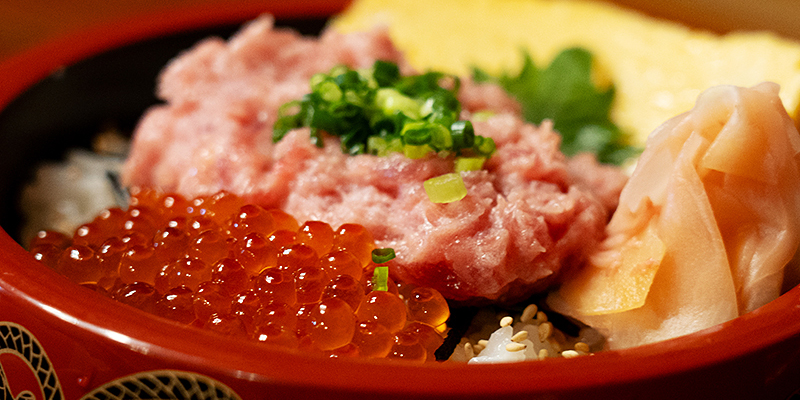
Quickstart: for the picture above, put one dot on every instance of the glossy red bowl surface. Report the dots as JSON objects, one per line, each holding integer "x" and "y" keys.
{"x": 59, "y": 339}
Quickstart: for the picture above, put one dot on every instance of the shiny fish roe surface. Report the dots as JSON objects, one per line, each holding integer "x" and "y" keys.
{"x": 237, "y": 269}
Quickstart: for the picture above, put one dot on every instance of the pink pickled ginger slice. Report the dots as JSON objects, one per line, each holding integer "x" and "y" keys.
{"x": 705, "y": 226}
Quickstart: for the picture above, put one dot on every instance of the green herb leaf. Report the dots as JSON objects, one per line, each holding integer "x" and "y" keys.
{"x": 565, "y": 93}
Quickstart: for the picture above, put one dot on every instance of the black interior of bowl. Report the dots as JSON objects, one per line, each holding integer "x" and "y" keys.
{"x": 68, "y": 108}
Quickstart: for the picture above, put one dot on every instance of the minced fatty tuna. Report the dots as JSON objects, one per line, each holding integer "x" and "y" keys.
{"x": 529, "y": 217}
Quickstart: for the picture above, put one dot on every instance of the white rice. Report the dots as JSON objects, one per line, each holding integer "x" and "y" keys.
{"x": 65, "y": 194}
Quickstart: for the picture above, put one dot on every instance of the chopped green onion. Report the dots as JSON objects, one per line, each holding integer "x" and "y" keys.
{"x": 380, "y": 256}
{"x": 381, "y": 147}
{"x": 445, "y": 188}
{"x": 380, "y": 279}
{"x": 416, "y": 152}
{"x": 377, "y": 145}
{"x": 338, "y": 70}
{"x": 484, "y": 145}
{"x": 417, "y": 133}
{"x": 463, "y": 134}
{"x": 349, "y": 78}
{"x": 329, "y": 91}
{"x": 385, "y": 73}
{"x": 390, "y": 101}
{"x": 378, "y": 111}
{"x": 442, "y": 107}
{"x": 469, "y": 163}
{"x": 316, "y": 79}
{"x": 483, "y": 115}
{"x": 441, "y": 138}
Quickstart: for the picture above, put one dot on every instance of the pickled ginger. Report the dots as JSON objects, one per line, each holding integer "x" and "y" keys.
{"x": 705, "y": 226}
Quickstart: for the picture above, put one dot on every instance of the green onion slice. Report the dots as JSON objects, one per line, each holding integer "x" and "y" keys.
{"x": 463, "y": 134}
{"x": 417, "y": 133}
{"x": 380, "y": 256}
{"x": 380, "y": 279}
{"x": 469, "y": 163}
{"x": 415, "y": 152}
{"x": 445, "y": 188}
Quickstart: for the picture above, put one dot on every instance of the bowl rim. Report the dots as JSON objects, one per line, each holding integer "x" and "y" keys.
{"x": 53, "y": 295}
{"x": 55, "y": 299}
{"x": 23, "y": 69}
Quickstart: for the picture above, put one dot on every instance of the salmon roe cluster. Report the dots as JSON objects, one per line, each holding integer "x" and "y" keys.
{"x": 245, "y": 271}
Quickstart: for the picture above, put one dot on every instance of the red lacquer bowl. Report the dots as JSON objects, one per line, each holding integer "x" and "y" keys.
{"x": 60, "y": 341}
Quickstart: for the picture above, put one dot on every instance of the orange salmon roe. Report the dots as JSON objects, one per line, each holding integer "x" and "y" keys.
{"x": 244, "y": 271}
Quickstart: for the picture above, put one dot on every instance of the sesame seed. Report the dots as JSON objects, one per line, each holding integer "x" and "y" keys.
{"x": 513, "y": 347}
{"x": 582, "y": 347}
{"x": 543, "y": 354}
{"x": 506, "y": 321}
{"x": 541, "y": 317}
{"x": 519, "y": 336}
{"x": 529, "y": 313}
{"x": 569, "y": 354}
{"x": 468, "y": 350}
{"x": 545, "y": 331}
{"x": 483, "y": 342}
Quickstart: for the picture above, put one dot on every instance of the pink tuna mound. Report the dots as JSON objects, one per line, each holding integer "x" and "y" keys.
{"x": 530, "y": 216}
